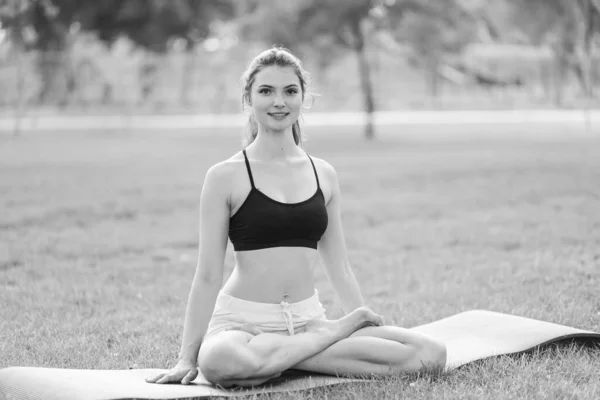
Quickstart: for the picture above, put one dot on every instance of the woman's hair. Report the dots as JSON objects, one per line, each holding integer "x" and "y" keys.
{"x": 280, "y": 57}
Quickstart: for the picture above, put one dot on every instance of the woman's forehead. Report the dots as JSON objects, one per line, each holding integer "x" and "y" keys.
{"x": 276, "y": 76}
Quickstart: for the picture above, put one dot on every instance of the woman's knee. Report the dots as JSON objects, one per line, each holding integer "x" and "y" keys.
{"x": 432, "y": 353}
{"x": 226, "y": 358}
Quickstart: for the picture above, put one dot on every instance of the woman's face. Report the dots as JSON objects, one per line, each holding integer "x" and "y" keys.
{"x": 276, "y": 97}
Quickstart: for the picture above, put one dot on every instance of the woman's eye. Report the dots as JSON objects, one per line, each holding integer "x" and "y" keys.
{"x": 292, "y": 91}
{"x": 264, "y": 91}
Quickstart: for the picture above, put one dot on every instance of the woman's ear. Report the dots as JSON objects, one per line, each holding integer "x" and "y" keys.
{"x": 312, "y": 98}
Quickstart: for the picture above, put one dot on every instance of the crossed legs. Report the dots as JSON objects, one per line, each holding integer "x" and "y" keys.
{"x": 378, "y": 350}
{"x": 344, "y": 347}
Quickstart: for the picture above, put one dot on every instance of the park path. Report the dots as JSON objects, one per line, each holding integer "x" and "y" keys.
{"x": 43, "y": 122}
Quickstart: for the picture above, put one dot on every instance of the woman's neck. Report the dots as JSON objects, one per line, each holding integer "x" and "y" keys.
{"x": 274, "y": 145}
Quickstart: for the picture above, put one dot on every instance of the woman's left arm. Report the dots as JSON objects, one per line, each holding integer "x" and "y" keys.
{"x": 332, "y": 249}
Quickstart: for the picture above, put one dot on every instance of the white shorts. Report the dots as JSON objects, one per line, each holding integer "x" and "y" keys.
{"x": 231, "y": 313}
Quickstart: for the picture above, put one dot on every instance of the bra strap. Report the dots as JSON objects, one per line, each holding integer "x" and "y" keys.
{"x": 314, "y": 169}
{"x": 249, "y": 170}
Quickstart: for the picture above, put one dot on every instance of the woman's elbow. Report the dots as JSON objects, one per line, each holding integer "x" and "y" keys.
{"x": 208, "y": 274}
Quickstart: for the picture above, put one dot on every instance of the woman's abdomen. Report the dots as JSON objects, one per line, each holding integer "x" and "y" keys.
{"x": 273, "y": 275}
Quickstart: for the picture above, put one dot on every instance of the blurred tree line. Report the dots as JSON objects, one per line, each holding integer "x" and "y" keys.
{"x": 434, "y": 31}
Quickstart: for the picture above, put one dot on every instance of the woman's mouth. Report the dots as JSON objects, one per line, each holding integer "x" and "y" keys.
{"x": 278, "y": 115}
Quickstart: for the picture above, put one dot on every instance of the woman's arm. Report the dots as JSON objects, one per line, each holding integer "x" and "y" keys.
{"x": 214, "y": 223}
{"x": 332, "y": 249}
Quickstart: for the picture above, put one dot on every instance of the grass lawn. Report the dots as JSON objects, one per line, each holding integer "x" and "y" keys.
{"x": 99, "y": 245}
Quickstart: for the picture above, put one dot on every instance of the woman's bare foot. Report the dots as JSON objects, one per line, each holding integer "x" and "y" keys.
{"x": 348, "y": 324}
{"x": 367, "y": 316}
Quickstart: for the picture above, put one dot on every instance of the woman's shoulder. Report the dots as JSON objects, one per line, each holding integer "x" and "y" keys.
{"x": 324, "y": 168}
{"x": 224, "y": 171}
{"x": 327, "y": 177}
{"x": 227, "y": 166}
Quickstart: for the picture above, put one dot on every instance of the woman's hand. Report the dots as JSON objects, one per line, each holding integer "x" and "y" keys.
{"x": 183, "y": 372}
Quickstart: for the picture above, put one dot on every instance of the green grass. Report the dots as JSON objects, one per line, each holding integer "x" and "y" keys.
{"x": 99, "y": 244}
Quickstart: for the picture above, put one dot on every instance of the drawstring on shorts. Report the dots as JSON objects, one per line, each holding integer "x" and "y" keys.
{"x": 287, "y": 316}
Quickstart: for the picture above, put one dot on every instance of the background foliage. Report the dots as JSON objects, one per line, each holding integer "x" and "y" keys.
{"x": 161, "y": 55}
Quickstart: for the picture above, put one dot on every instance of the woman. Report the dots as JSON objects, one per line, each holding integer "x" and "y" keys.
{"x": 281, "y": 210}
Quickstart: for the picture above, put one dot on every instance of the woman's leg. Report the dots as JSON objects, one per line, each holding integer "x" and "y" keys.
{"x": 378, "y": 350}
{"x": 242, "y": 359}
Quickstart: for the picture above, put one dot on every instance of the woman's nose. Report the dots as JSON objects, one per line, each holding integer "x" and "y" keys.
{"x": 278, "y": 100}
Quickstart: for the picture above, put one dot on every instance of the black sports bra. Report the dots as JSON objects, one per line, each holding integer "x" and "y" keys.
{"x": 262, "y": 222}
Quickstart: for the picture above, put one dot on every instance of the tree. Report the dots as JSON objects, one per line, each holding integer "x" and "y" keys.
{"x": 569, "y": 27}
{"x": 153, "y": 24}
{"x": 149, "y": 23}
{"x": 433, "y": 29}
{"x": 41, "y": 25}
{"x": 46, "y": 25}
{"x": 334, "y": 27}
{"x": 329, "y": 24}
{"x": 38, "y": 24}
{"x": 343, "y": 23}
{"x": 590, "y": 18}
{"x": 274, "y": 21}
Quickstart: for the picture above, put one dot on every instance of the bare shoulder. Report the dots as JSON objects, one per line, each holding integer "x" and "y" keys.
{"x": 220, "y": 175}
{"x": 325, "y": 170}
{"x": 226, "y": 168}
{"x": 328, "y": 178}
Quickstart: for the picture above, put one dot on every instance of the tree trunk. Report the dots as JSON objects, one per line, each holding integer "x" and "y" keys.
{"x": 20, "y": 95}
{"x": 586, "y": 62}
{"x": 51, "y": 62}
{"x": 432, "y": 66}
{"x": 560, "y": 70}
{"x": 364, "y": 71}
{"x": 187, "y": 75}
{"x": 20, "y": 81}
{"x": 51, "y": 67}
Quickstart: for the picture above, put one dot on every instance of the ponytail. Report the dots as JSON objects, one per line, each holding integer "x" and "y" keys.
{"x": 251, "y": 131}
{"x": 297, "y": 133}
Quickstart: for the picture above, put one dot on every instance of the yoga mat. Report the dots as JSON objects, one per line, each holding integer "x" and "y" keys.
{"x": 469, "y": 336}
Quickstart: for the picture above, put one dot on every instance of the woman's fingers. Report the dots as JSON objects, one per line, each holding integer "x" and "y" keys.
{"x": 171, "y": 377}
{"x": 156, "y": 378}
{"x": 190, "y": 376}
{"x": 176, "y": 375}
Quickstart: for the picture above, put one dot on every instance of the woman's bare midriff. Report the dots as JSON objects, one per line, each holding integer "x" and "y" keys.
{"x": 273, "y": 275}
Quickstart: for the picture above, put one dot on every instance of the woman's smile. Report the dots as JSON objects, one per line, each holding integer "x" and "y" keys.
{"x": 278, "y": 115}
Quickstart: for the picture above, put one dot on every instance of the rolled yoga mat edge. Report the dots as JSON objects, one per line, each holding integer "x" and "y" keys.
{"x": 469, "y": 336}
{"x": 89, "y": 384}
{"x": 479, "y": 334}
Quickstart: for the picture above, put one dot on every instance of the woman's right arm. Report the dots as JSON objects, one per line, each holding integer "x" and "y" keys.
{"x": 214, "y": 224}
